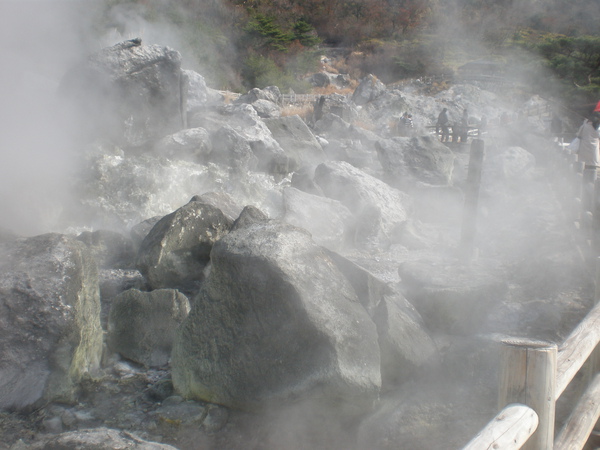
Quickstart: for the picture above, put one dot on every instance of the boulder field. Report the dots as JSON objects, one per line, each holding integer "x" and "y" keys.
{"x": 228, "y": 275}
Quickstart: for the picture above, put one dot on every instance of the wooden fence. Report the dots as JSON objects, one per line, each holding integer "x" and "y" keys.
{"x": 535, "y": 374}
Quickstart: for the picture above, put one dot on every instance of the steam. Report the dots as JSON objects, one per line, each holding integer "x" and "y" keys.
{"x": 38, "y": 42}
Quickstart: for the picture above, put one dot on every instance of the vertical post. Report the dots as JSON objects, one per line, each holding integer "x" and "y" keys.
{"x": 587, "y": 189}
{"x": 577, "y": 189}
{"x": 529, "y": 377}
{"x": 472, "y": 198}
{"x": 596, "y": 225}
{"x": 593, "y": 362}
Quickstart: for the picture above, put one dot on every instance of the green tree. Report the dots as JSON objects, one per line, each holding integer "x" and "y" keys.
{"x": 267, "y": 34}
{"x": 305, "y": 33}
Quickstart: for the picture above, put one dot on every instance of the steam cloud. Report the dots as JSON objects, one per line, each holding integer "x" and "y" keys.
{"x": 39, "y": 40}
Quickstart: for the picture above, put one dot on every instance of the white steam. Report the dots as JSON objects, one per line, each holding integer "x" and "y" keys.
{"x": 39, "y": 41}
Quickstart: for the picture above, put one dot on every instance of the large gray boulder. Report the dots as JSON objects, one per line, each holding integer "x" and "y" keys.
{"x": 199, "y": 95}
{"x": 191, "y": 144}
{"x": 177, "y": 249}
{"x": 408, "y": 160}
{"x": 270, "y": 93}
{"x": 141, "y": 325}
{"x": 266, "y": 109}
{"x": 368, "y": 90}
{"x": 405, "y": 344}
{"x": 50, "y": 333}
{"x": 337, "y": 105}
{"x": 233, "y": 150}
{"x": 275, "y": 321}
{"x": 130, "y": 92}
{"x": 329, "y": 222}
{"x": 297, "y": 141}
{"x": 379, "y": 208}
{"x": 245, "y": 121}
{"x": 222, "y": 200}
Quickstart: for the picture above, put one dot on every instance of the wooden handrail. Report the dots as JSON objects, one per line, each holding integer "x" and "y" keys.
{"x": 581, "y": 422}
{"x": 576, "y": 349}
{"x": 509, "y": 430}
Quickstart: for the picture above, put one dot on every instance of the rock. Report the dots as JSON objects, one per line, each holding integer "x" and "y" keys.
{"x": 184, "y": 413}
{"x": 109, "y": 248}
{"x": 249, "y": 215}
{"x": 409, "y": 160}
{"x": 177, "y": 249}
{"x": 266, "y": 109}
{"x": 368, "y": 90}
{"x": 270, "y": 93}
{"x": 112, "y": 283}
{"x": 352, "y": 151}
{"x": 452, "y": 297}
{"x": 302, "y": 179}
{"x": 332, "y": 126}
{"x": 275, "y": 321}
{"x": 139, "y": 231}
{"x": 297, "y": 141}
{"x": 319, "y": 79}
{"x": 244, "y": 120}
{"x": 94, "y": 439}
{"x": 233, "y": 150}
{"x": 50, "y": 331}
{"x": 141, "y": 325}
{"x": 379, "y": 206}
{"x": 191, "y": 144}
{"x": 329, "y": 222}
{"x": 222, "y": 201}
{"x": 337, "y": 105}
{"x": 405, "y": 344}
{"x": 199, "y": 95}
{"x": 130, "y": 92}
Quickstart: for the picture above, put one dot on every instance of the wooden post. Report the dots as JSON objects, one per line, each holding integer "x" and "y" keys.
{"x": 587, "y": 189}
{"x": 593, "y": 363}
{"x": 472, "y": 198}
{"x": 577, "y": 190}
{"x": 528, "y": 377}
{"x": 596, "y": 225}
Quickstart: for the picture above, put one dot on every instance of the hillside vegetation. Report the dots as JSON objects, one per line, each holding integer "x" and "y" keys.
{"x": 240, "y": 44}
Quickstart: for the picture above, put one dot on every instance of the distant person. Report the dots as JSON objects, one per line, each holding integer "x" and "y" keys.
{"x": 442, "y": 125}
{"x": 589, "y": 145}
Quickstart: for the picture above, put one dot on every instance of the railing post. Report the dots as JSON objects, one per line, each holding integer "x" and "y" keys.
{"x": 587, "y": 189}
{"x": 577, "y": 188}
{"x": 529, "y": 377}
{"x": 596, "y": 224}
{"x": 472, "y": 198}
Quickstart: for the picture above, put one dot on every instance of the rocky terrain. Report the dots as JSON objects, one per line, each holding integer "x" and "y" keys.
{"x": 225, "y": 275}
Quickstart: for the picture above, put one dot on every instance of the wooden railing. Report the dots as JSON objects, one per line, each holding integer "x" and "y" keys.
{"x": 536, "y": 373}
